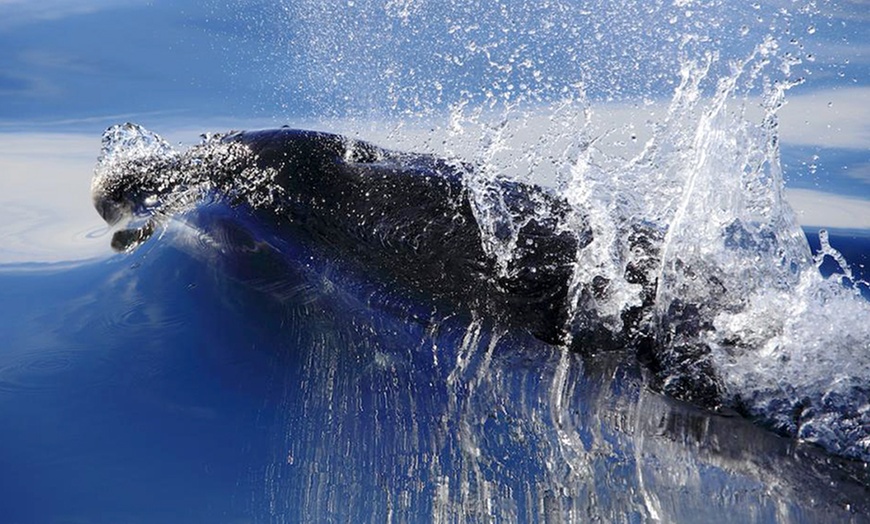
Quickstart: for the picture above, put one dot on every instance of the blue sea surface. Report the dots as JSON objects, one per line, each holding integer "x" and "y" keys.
{"x": 223, "y": 372}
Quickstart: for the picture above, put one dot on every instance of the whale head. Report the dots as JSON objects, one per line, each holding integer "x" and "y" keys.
{"x": 133, "y": 171}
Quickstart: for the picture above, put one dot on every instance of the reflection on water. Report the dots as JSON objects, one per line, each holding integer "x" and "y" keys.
{"x": 517, "y": 437}
{"x": 176, "y": 385}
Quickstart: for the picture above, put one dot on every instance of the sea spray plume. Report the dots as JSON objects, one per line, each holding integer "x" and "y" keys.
{"x": 722, "y": 270}
{"x": 738, "y": 296}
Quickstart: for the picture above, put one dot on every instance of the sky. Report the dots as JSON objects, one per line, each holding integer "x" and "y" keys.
{"x": 70, "y": 68}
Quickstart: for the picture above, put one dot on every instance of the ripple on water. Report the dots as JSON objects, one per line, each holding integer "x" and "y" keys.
{"x": 93, "y": 233}
{"x": 37, "y": 369}
{"x": 35, "y": 233}
{"x": 89, "y": 341}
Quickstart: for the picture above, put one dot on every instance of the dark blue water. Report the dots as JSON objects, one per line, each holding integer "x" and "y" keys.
{"x": 854, "y": 245}
{"x": 245, "y": 381}
{"x": 130, "y": 393}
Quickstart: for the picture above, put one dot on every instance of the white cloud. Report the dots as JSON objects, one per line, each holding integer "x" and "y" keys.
{"x": 815, "y": 208}
{"x": 836, "y": 117}
{"x": 827, "y": 118}
{"x": 851, "y": 10}
{"x": 860, "y": 172}
{"x": 21, "y": 12}
{"x": 10, "y": 126}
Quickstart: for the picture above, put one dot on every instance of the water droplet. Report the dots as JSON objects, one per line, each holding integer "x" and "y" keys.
{"x": 744, "y": 30}
{"x": 811, "y": 29}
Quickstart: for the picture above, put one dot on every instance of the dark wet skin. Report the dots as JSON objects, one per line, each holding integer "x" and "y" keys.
{"x": 410, "y": 218}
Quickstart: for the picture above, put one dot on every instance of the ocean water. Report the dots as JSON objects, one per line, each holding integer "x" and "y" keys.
{"x": 224, "y": 369}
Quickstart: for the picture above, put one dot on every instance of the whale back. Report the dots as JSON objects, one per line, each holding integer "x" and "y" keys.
{"x": 409, "y": 218}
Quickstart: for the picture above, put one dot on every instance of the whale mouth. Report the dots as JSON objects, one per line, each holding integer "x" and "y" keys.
{"x": 128, "y": 239}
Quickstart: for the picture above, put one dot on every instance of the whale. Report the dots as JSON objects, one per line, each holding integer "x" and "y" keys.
{"x": 408, "y": 220}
